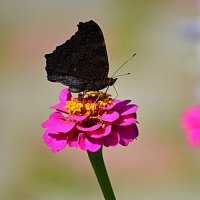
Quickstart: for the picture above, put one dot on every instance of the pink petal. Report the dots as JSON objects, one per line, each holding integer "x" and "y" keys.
{"x": 126, "y": 120}
{"x": 78, "y": 117}
{"x": 134, "y": 115}
{"x": 125, "y": 142}
{"x": 100, "y": 133}
{"x": 110, "y": 116}
{"x": 191, "y": 118}
{"x": 57, "y": 126}
{"x": 58, "y": 145}
{"x": 92, "y": 128}
{"x": 52, "y": 117}
{"x": 108, "y": 106}
{"x": 194, "y": 137}
{"x": 57, "y": 142}
{"x": 120, "y": 104}
{"x": 128, "y": 132}
{"x": 112, "y": 139}
{"x": 65, "y": 95}
{"x": 47, "y": 139}
{"x": 60, "y": 107}
{"x": 89, "y": 144}
{"x": 72, "y": 139}
{"x": 82, "y": 141}
{"x": 56, "y": 115}
{"x": 128, "y": 109}
{"x": 44, "y": 124}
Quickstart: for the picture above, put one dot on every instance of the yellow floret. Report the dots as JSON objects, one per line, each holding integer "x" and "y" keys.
{"x": 73, "y": 106}
{"x": 76, "y": 106}
{"x": 105, "y": 102}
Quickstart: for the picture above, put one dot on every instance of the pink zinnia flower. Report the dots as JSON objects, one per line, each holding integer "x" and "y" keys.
{"x": 91, "y": 122}
{"x": 191, "y": 124}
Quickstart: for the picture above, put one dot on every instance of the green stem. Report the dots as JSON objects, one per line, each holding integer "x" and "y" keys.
{"x": 96, "y": 159}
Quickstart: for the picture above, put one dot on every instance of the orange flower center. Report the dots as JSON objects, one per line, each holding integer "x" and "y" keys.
{"x": 90, "y": 105}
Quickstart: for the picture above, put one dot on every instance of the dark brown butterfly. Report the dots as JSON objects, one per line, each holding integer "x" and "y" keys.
{"x": 81, "y": 62}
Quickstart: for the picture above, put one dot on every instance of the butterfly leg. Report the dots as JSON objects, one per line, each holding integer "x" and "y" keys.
{"x": 115, "y": 91}
{"x": 83, "y": 95}
{"x": 98, "y": 97}
{"x": 106, "y": 90}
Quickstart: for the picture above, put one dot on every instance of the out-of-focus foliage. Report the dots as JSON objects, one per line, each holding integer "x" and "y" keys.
{"x": 164, "y": 81}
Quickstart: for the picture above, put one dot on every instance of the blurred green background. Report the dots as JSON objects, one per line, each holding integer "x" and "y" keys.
{"x": 163, "y": 82}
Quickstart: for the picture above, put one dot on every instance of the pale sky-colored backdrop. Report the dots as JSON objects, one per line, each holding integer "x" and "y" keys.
{"x": 164, "y": 81}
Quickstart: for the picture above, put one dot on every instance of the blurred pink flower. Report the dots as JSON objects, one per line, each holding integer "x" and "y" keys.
{"x": 90, "y": 122}
{"x": 191, "y": 125}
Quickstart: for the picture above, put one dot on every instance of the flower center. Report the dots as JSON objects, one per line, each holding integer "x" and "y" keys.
{"x": 92, "y": 105}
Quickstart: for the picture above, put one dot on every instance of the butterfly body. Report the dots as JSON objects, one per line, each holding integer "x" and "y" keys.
{"x": 81, "y": 62}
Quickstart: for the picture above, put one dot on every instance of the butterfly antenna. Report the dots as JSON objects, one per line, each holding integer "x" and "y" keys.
{"x": 115, "y": 91}
{"x": 121, "y": 75}
{"x": 124, "y": 64}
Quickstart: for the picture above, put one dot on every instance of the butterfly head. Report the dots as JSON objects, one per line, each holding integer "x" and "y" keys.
{"x": 111, "y": 81}
{"x": 103, "y": 84}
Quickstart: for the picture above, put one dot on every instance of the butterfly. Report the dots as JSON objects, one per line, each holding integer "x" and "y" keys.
{"x": 81, "y": 62}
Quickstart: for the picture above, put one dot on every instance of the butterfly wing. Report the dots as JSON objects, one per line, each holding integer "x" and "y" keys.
{"x": 83, "y": 59}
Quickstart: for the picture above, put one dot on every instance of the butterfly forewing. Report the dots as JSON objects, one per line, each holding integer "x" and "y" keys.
{"x": 80, "y": 61}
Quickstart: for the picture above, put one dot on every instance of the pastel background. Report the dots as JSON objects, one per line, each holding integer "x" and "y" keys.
{"x": 164, "y": 81}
